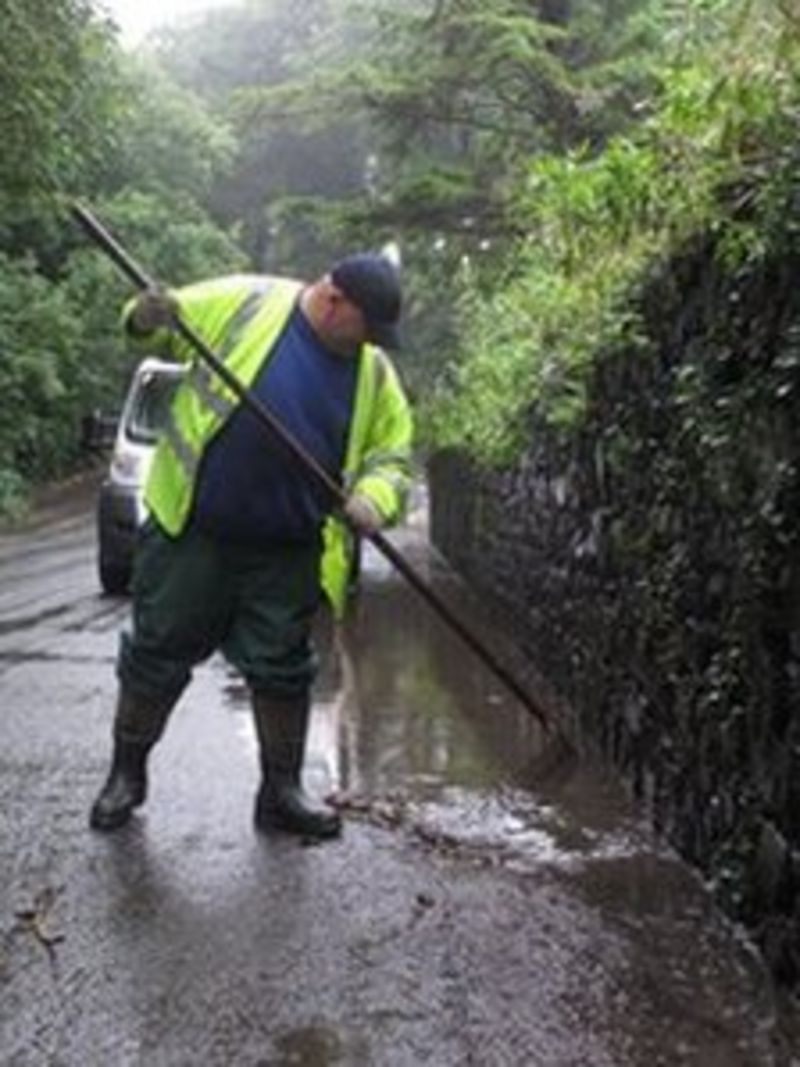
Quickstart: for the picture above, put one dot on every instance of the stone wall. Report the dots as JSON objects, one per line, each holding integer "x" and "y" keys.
{"x": 650, "y": 564}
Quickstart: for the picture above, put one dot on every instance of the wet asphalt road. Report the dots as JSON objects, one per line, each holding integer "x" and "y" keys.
{"x": 490, "y": 902}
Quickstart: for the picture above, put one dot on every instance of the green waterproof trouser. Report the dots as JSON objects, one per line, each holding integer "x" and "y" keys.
{"x": 193, "y": 595}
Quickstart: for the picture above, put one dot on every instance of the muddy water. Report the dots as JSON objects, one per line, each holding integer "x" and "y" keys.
{"x": 412, "y": 733}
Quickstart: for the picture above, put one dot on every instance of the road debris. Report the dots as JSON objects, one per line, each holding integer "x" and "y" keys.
{"x": 34, "y": 919}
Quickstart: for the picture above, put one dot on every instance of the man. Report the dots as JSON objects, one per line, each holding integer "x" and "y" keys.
{"x": 241, "y": 540}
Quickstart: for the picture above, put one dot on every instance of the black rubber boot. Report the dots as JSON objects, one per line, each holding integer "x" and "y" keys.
{"x": 281, "y": 803}
{"x": 125, "y": 788}
{"x": 138, "y": 724}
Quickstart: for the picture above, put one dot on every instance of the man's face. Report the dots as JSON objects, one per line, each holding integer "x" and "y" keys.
{"x": 342, "y": 322}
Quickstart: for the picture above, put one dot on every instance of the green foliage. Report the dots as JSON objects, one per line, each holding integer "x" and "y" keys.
{"x": 38, "y": 340}
{"x": 78, "y": 116}
{"x": 59, "y": 89}
{"x": 41, "y": 51}
{"x": 459, "y": 97}
{"x": 172, "y": 234}
{"x": 62, "y": 346}
{"x": 170, "y": 137}
{"x": 596, "y": 224}
{"x": 493, "y": 80}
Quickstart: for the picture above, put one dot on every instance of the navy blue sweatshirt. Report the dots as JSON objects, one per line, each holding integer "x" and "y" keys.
{"x": 250, "y": 487}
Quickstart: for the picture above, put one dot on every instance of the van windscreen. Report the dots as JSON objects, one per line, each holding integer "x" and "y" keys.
{"x": 148, "y": 413}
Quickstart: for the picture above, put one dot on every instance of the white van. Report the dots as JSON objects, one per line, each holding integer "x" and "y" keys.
{"x": 121, "y": 508}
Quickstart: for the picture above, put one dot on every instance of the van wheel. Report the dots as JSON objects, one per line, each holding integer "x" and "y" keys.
{"x": 114, "y": 579}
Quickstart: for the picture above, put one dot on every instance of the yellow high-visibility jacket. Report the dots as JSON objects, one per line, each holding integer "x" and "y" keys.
{"x": 241, "y": 318}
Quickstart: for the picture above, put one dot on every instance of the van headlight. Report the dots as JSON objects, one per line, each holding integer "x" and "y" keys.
{"x": 126, "y": 468}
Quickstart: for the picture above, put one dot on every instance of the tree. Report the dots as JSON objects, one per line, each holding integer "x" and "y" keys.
{"x": 78, "y": 118}
{"x": 56, "y": 60}
{"x": 227, "y": 54}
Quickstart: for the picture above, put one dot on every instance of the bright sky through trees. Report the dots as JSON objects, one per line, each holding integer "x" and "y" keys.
{"x": 137, "y": 17}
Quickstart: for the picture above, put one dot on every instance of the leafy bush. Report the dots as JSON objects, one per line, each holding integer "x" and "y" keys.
{"x": 63, "y": 352}
{"x": 712, "y": 158}
{"x": 38, "y": 335}
{"x": 81, "y": 116}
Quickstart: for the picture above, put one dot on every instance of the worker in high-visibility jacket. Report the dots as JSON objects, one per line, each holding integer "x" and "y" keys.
{"x": 242, "y": 540}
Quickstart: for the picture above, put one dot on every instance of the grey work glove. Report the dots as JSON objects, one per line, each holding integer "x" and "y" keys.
{"x": 363, "y": 515}
{"x": 153, "y": 310}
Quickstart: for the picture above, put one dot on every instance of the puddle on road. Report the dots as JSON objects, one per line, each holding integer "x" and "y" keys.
{"x": 411, "y": 733}
{"x": 311, "y": 1046}
{"x": 409, "y": 728}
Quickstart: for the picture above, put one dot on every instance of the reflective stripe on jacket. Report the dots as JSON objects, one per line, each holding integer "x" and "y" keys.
{"x": 241, "y": 318}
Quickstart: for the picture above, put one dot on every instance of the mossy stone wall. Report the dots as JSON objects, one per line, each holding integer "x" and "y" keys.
{"x": 651, "y": 565}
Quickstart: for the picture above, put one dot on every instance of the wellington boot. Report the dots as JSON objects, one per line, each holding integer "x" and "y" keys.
{"x": 281, "y": 803}
{"x": 289, "y": 808}
{"x": 125, "y": 788}
{"x": 138, "y": 724}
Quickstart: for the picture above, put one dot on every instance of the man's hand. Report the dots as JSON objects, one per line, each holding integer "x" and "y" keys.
{"x": 363, "y": 515}
{"x": 154, "y": 309}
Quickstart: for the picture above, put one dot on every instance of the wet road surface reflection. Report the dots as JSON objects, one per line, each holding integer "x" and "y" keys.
{"x": 493, "y": 900}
